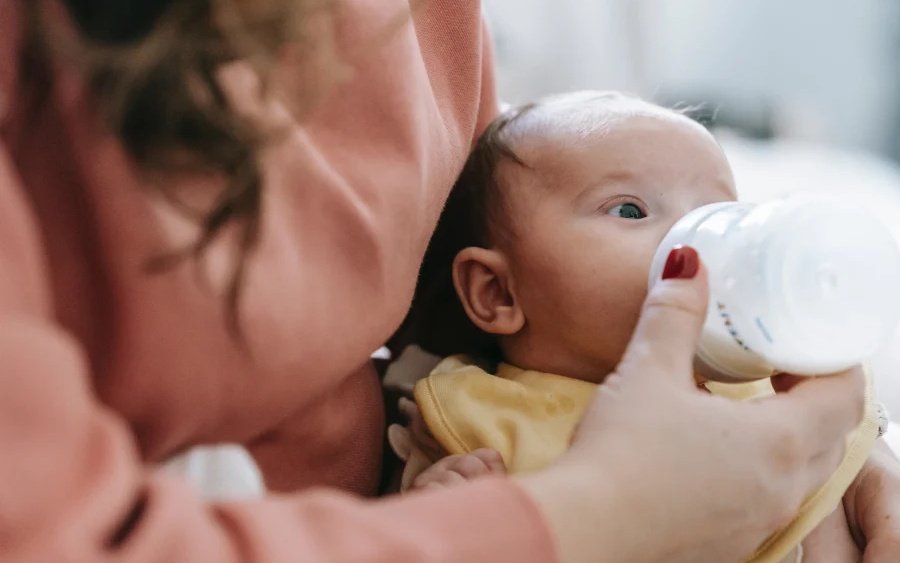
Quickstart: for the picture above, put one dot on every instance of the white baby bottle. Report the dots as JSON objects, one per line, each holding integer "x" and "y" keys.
{"x": 806, "y": 285}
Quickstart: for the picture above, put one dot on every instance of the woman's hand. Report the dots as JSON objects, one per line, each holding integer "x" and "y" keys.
{"x": 660, "y": 471}
{"x": 873, "y": 506}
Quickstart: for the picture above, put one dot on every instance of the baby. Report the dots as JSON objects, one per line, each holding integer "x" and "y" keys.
{"x": 564, "y": 202}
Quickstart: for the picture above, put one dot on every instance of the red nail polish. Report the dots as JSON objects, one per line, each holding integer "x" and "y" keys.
{"x": 683, "y": 263}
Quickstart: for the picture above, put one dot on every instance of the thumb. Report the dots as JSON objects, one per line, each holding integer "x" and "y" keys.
{"x": 672, "y": 318}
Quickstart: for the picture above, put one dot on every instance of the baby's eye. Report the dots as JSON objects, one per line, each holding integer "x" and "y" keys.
{"x": 627, "y": 211}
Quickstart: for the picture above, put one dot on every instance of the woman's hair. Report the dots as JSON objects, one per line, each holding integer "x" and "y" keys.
{"x": 151, "y": 66}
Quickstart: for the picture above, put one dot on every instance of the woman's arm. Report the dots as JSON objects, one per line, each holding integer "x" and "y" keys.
{"x": 72, "y": 487}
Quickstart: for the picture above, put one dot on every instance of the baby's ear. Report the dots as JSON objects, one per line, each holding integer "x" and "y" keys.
{"x": 485, "y": 288}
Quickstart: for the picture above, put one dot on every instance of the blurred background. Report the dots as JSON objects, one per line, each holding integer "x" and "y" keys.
{"x": 825, "y": 71}
{"x": 804, "y": 95}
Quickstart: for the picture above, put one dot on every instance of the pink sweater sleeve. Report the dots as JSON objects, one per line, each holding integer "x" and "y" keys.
{"x": 72, "y": 487}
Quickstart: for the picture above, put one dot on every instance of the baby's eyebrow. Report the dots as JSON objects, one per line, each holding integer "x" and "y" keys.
{"x": 614, "y": 177}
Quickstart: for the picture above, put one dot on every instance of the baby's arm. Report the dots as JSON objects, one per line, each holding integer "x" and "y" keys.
{"x": 831, "y": 541}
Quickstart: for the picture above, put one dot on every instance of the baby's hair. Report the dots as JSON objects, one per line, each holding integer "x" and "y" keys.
{"x": 437, "y": 321}
{"x": 477, "y": 194}
{"x": 476, "y": 212}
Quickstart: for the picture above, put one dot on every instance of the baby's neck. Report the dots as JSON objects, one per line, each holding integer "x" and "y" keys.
{"x": 555, "y": 362}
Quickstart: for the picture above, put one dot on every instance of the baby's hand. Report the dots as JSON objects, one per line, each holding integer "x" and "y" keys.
{"x": 456, "y": 469}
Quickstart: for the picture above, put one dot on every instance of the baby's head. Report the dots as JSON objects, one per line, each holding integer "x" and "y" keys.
{"x": 567, "y": 201}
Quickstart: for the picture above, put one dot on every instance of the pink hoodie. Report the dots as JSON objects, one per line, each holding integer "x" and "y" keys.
{"x": 105, "y": 370}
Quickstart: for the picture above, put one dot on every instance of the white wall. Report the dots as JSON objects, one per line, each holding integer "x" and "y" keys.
{"x": 830, "y": 68}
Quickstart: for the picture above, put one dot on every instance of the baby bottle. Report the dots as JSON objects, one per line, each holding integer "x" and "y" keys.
{"x": 805, "y": 285}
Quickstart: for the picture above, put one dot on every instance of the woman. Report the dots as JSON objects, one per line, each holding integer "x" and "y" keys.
{"x": 178, "y": 271}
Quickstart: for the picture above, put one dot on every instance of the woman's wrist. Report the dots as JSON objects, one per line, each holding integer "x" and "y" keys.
{"x": 582, "y": 516}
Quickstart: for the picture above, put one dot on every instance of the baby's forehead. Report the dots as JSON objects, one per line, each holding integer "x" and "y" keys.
{"x": 561, "y": 141}
{"x": 561, "y": 121}
{"x": 547, "y": 135}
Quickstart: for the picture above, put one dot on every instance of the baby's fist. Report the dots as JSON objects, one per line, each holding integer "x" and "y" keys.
{"x": 456, "y": 469}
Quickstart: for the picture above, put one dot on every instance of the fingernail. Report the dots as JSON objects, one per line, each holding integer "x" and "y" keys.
{"x": 683, "y": 263}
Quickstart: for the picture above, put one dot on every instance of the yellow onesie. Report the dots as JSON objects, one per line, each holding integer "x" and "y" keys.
{"x": 529, "y": 417}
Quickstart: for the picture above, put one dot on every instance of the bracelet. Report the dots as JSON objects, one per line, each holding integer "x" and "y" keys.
{"x": 883, "y": 417}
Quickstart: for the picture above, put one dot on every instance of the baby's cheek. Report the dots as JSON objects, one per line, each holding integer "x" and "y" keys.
{"x": 629, "y": 311}
{"x": 591, "y": 295}
{"x": 606, "y": 324}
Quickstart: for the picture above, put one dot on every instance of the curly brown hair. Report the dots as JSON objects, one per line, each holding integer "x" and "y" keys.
{"x": 151, "y": 66}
